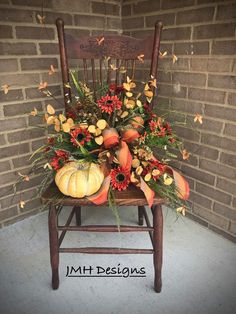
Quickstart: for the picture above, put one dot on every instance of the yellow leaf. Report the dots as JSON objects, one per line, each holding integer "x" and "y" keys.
{"x": 181, "y": 210}
{"x": 126, "y": 86}
{"x": 129, "y": 94}
{"x": 122, "y": 69}
{"x": 42, "y": 85}
{"x": 66, "y": 127}
{"x": 167, "y": 180}
{"x": 101, "y": 124}
{"x": 124, "y": 114}
{"x": 198, "y": 118}
{"x": 98, "y": 132}
{"x": 70, "y": 122}
{"x": 92, "y": 128}
{"x": 99, "y": 140}
{"x": 135, "y": 163}
{"x": 50, "y": 120}
{"x": 138, "y": 102}
{"x": 62, "y": 118}
{"x": 148, "y": 177}
{"x": 41, "y": 19}
{"x": 100, "y": 40}
{"x": 140, "y": 58}
{"x": 185, "y": 154}
{"x": 162, "y": 55}
{"x": 50, "y": 109}
{"x": 113, "y": 67}
{"x": 51, "y": 70}
{"x": 139, "y": 170}
{"x": 34, "y": 112}
{"x": 5, "y": 88}
{"x": 155, "y": 172}
{"x": 57, "y": 128}
{"x": 22, "y": 204}
{"x": 129, "y": 103}
{"x": 47, "y": 165}
{"x": 174, "y": 58}
{"x": 148, "y": 93}
{"x": 24, "y": 177}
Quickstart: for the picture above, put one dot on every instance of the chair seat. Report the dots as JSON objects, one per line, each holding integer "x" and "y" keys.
{"x": 131, "y": 196}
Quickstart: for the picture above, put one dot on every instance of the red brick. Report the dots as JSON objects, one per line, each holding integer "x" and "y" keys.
{"x": 200, "y": 200}
{"x": 21, "y": 108}
{"x": 225, "y": 211}
{"x": 218, "y": 141}
{"x": 186, "y": 106}
{"x": 167, "y": 19}
{"x": 50, "y": 17}
{"x": 14, "y": 15}
{"x": 217, "y": 168}
{"x": 198, "y": 174}
{"x": 12, "y": 95}
{"x": 90, "y": 21}
{"x": 166, "y": 64}
{"x": 14, "y": 150}
{"x": 194, "y": 48}
{"x": 34, "y": 92}
{"x": 8, "y": 65}
{"x": 208, "y": 125}
{"x": 206, "y": 95}
{"x": 210, "y": 64}
{"x": 6, "y": 31}
{"x": 17, "y": 49}
{"x": 186, "y": 78}
{"x": 49, "y": 49}
{"x": 230, "y": 129}
{"x": 125, "y": 10}
{"x": 178, "y": 33}
{"x": 195, "y": 16}
{"x": 114, "y": 23}
{"x": 2, "y": 139}
{"x": 34, "y": 3}
{"x": 8, "y": 124}
{"x": 146, "y": 6}
{"x": 30, "y": 32}
{"x": 232, "y": 99}
{"x": 25, "y": 135}
{"x": 72, "y": 5}
{"x": 211, "y": 217}
{"x": 8, "y": 213}
{"x": 214, "y": 31}
{"x": 213, "y": 193}
{"x": 133, "y": 22}
{"x": 225, "y": 47}
{"x": 222, "y": 81}
{"x": 37, "y": 63}
{"x": 172, "y": 90}
{"x": 202, "y": 150}
{"x": 5, "y": 166}
{"x": 223, "y": 233}
{"x": 107, "y": 8}
{"x": 21, "y": 217}
{"x": 20, "y": 79}
{"x": 188, "y": 134}
{"x": 225, "y": 12}
{"x": 226, "y": 185}
{"x": 170, "y": 4}
{"x": 228, "y": 159}
{"x": 9, "y": 201}
{"x": 32, "y": 204}
{"x": 220, "y": 112}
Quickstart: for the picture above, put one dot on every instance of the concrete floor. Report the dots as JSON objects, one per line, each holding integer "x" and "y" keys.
{"x": 199, "y": 272}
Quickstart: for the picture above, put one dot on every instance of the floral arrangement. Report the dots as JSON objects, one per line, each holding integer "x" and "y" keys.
{"x": 106, "y": 142}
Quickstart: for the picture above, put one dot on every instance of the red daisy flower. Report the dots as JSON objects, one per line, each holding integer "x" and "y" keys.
{"x": 109, "y": 103}
{"x": 120, "y": 178}
{"x": 80, "y": 136}
{"x": 59, "y": 160}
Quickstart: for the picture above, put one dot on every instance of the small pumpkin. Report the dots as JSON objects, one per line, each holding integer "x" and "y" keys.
{"x": 79, "y": 179}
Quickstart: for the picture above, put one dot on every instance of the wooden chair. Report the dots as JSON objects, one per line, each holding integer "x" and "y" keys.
{"x": 123, "y": 49}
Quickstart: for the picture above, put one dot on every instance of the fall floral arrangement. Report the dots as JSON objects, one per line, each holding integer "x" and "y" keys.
{"x": 105, "y": 142}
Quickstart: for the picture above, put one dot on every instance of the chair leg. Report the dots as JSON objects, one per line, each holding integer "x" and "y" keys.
{"x": 54, "y": 245}
{"x": 158, "y": 245}
{"x": 140, "y": 215}
{"x": 78, "y": 215}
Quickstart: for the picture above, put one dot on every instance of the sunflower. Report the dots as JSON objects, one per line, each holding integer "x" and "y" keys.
{"x": 80, "y": 136}
{"x": 120, "y": 178}
{"x": 109, "y": 103}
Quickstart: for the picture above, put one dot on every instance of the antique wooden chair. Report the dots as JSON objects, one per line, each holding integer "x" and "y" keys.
{"x": 122, "y": 49}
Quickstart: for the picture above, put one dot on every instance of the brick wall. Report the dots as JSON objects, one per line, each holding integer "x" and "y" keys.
{"x": 27, "y": 49}
{"x": 201, "y": 33}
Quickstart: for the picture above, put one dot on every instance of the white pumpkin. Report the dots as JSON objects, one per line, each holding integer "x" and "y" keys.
{"x": 79, "y": 179}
